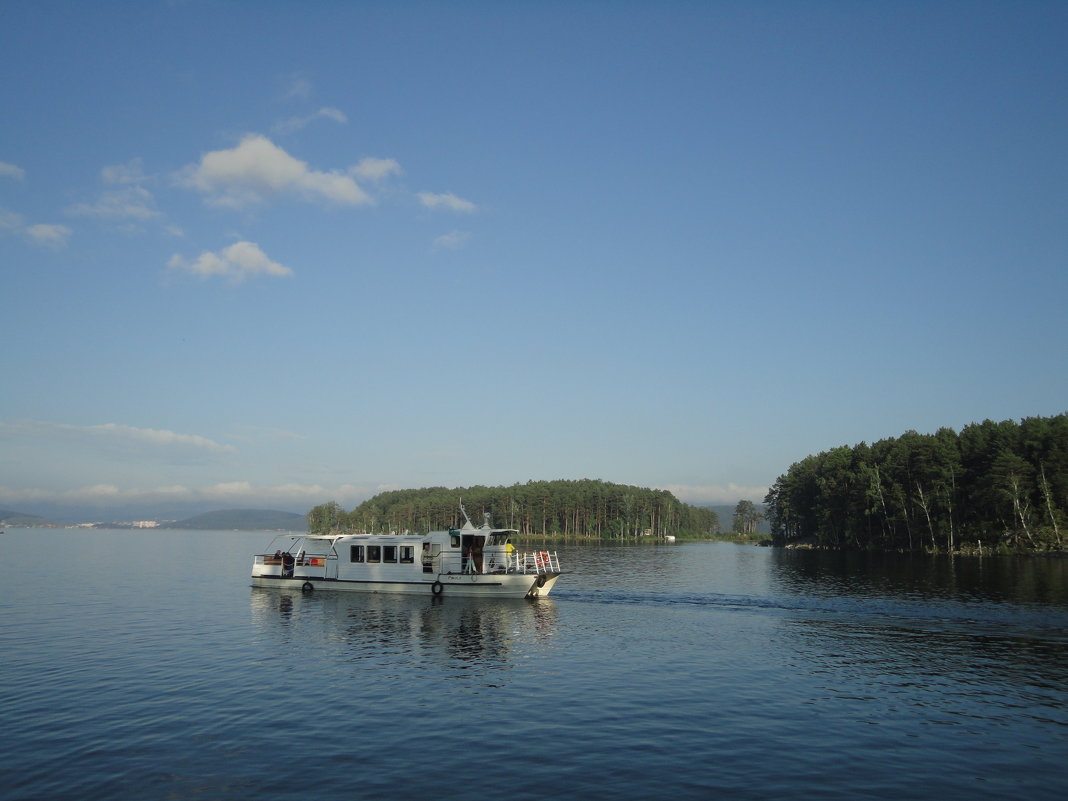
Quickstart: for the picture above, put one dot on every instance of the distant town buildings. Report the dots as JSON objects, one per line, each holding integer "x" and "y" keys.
{"x": 131, "y": 524}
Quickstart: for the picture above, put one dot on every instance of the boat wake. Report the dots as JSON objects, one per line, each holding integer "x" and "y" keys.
{"x": 976, "y": 616}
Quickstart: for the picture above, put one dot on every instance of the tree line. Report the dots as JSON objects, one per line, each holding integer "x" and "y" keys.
{"x": 1000, "y": 485}
{"x": 584, "y": 509}
{"x": 746, "y": 518}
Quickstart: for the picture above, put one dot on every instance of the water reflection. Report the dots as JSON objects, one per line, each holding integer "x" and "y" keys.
{"x": 932, "y": 630}
{"x": 1004, "y": 579}
{"x": 461, "y": 633}
{"x": 918, "y": 647}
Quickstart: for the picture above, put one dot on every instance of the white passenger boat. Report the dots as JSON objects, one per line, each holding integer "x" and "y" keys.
{"x": 468, "y": 561}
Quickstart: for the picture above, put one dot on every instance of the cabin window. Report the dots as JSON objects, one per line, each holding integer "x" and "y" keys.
{"x": 374, "y": 553}
{"x": 355, "y": 553}
{"x": 454, "y": 540}
{"x": 389, "y": 553}
{"x": 407, "y": 554}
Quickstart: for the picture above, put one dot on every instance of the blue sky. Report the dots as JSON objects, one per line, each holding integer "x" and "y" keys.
{"x": 274, "y": 254}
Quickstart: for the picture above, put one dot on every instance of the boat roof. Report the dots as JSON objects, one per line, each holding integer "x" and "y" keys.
{"x": 468, "y": 528}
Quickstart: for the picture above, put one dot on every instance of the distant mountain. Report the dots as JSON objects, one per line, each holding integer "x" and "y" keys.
{"x": 244, "y": 520}
{"x": 20, "y": 520}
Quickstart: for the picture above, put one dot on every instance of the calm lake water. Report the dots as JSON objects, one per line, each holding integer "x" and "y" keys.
{"x": 141, "y": 665}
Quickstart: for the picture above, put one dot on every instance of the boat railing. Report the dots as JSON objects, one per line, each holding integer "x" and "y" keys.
{"x": 536, "y": 562}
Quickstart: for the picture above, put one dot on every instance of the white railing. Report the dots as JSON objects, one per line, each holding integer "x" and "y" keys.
{"x": 538, "y": 562}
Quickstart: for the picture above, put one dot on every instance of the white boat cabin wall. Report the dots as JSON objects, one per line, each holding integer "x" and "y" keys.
{"x": 468, "y": 561}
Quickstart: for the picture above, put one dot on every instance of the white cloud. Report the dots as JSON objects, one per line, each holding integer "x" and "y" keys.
{"x": 9, "y": 496}
{"x": 372, "y": 169}
{"x": 11, "y": 171}
{"x": 110, "y": 433}
{"x": 297, "y": 87}
{"x": 335, "y": 114}
{"x": 159, "y": 437}
{"x": 257, "y": 170}
{"x": 230, "y": 493}
{"x": 126, "y": 202}
{"x": 297, "y": 123}
{"x": 48, "y": 235}
{"x": 235, "y": 262}
{"x": 230, "y": 489}
{"x": 729, "y": 494}
{"x": 452, "y": 240}
{"x": 45, "y": 234}
{"x": 131, "y": 203}
{"x": 10, "y": 221}
{"x": 132, "y": 172}
{"x": 447, "y": 201}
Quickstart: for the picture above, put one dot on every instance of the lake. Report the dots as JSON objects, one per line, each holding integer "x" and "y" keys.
{"x": 142, "y": 665}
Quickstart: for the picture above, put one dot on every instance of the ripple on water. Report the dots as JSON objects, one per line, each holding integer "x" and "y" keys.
{"x": 690, "y": 672}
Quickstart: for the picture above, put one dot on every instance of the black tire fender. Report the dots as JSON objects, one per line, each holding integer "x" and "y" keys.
{"x": 307, "y": 586}
{"x": 541, "y": 581}
{"x": 437, "y": 587}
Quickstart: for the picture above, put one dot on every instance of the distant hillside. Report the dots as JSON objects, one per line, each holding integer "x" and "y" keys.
{"x": 244, "y": 520}
{"x": 19, "y": 520}
{"x": 726, "y": 516}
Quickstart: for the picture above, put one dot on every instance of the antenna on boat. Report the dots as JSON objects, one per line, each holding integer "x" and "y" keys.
{"x": 467, "y": 520}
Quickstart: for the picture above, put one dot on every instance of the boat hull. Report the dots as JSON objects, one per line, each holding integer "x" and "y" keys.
{"x": 489, "y": 585}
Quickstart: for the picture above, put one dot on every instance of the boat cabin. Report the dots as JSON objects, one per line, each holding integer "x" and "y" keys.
{"x": 483, "y": 560}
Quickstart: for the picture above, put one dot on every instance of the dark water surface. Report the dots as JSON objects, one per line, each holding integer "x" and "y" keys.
{"x": 141, "y": 665}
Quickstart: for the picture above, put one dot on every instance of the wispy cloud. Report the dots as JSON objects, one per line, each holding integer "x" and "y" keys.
{"x": 11, "y": 171}
{"x": 49, "y": 235}
{"x": 126, "y": 200}
{"x": 236, "y": 262}
{"x": 452, "y": 240}
{"x": 132, "y": 172}
{"x": 257, "y": 170}
{"x": 130, "y": 203}
{"x": 372, "y": 169}
{"x": 160, "y": 437}
{"x": 446, "y": 201}
{"x": 229, "y": 493}
{"x": 108, "y": 434}
{"x": 296, "y": 87}
{"x": 10, "y": 220}
{"x": 294, "y": 124}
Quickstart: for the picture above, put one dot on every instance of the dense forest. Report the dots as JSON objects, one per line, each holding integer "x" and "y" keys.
{"x": 1001, "y": 486}
{"x": 585, "y": 509}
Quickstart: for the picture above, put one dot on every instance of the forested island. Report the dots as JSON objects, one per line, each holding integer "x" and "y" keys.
{"x": 992, "y": 487}
{"x": 584, "y": 509}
